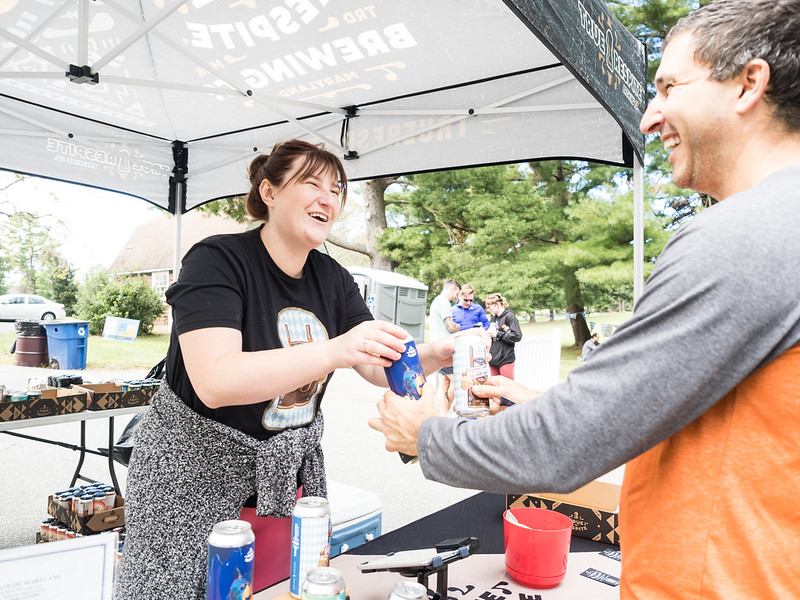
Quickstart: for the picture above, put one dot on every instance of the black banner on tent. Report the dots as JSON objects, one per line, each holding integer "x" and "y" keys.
{"x": 595, "y": 46}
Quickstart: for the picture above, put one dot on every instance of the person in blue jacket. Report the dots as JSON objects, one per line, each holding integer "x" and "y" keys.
{"x": 466, "y": 312}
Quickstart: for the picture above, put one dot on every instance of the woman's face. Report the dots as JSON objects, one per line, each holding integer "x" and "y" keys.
{"x": 304, "y": 209}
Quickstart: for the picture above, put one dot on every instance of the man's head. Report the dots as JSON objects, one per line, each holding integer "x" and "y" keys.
{"x": 728, "y": 34}
{"x": 450, "y": 289}
{"x": 596, "y": 337}
{"x": 467, "y": 295}
{"x": 725, "y": 90}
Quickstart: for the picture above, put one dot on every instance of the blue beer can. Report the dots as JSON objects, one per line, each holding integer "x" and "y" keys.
{"x": 231, "y": 554}
{"x": 406, "y": 375}
{"x": 311, "y": 540}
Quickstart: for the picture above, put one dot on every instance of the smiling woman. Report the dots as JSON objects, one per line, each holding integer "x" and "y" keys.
{"x": 261, "y": 319}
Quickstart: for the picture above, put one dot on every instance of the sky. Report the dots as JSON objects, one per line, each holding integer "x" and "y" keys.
{"x": 93, "y": 225}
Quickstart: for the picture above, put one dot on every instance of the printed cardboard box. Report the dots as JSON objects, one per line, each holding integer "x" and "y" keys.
{"x": 98, "y": 522}
{"x": 54, "y": 401}
{"x": 105, "y": 396}
{"x": 592, "y": 508}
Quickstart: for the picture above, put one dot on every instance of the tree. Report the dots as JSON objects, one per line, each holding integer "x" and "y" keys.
{"x": 57, "y": 280}
{"x": 100, "y": 296}
{"x": 546, "y": 234}
{"x": 25, "y": 240}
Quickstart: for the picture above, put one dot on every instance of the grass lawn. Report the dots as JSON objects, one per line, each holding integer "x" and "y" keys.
{"x": 147, "y": 350}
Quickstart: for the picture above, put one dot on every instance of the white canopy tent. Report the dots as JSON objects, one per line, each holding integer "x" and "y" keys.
{"x": 168, "y": 101}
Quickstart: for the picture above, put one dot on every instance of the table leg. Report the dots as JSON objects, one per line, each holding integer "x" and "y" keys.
{"x": 82, "y": 449}
{"x": 111, "y": 456}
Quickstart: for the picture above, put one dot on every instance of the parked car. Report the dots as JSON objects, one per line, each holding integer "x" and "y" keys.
{"x": 29, "y": 306}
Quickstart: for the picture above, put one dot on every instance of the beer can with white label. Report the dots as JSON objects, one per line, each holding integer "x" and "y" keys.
{"x": 311, "y": 539}
{"x": 470, "y": 367}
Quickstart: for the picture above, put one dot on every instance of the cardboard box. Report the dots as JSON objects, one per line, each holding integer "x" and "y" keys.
{"x": 54, "y": 401}
{"x": 592, "y": 508}
{"x": 104, "y": 396}
{"x": 98, "y": 522}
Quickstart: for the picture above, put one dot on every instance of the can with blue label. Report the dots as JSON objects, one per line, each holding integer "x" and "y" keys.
{"x": 311, "y": 539}
{"x": 231, "y": 554}
{"x": 406, "y": 377}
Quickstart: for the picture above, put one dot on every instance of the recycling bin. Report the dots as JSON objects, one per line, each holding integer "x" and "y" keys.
{"x": 67, "y": 342}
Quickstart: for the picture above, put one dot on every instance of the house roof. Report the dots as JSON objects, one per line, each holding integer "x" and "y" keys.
{"x": 150, "y": 247}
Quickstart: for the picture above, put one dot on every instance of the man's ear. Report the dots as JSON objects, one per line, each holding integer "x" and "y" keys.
{"x": 754, "y": 80}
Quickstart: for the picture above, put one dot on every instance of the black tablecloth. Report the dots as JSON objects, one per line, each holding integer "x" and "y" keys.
{"x": 480, "y": 516}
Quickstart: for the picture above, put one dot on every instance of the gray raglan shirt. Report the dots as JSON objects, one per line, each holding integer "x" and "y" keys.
{"x": 723, "y": 300}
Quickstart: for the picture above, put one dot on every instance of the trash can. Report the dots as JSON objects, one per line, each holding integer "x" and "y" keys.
{"x": 30, "y": 348}
{"x": 67, "y": 342}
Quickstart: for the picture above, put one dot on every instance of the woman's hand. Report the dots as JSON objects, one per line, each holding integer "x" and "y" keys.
{"x": 498, "y": 386}
{"x": 369, "y": 343}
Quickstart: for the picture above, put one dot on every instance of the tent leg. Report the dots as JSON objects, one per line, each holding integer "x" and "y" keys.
{"x": 638, "y": 229}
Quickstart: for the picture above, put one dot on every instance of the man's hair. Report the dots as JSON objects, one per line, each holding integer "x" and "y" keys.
{"x": 450, "y": 282}
{"x": 467, "y": 289}
{"x": 727, "y": 34}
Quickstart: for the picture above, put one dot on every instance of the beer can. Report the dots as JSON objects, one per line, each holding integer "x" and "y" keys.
{"x": 408, "y": 590}
{"x": 311, "y": 539}
{"x": 231, "y": 552}
{"x": 406, "y": 375}
{"x": 323, "y": 583}
{"x": 470, "y": 367}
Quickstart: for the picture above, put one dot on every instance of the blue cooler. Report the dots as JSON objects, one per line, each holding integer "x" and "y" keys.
{"x": 355, "y": 516}
{"x": 66, "y": 343}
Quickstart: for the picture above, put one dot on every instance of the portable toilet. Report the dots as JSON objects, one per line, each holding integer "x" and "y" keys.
{"x": 395, "y": 298}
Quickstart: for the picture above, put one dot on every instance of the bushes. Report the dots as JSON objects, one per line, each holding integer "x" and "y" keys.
{"x": 126, "y": 297}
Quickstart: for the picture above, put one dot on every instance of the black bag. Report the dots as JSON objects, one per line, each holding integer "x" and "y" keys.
{"x": 124, "y": 446}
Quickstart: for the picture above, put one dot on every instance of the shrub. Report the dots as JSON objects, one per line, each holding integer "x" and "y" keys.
{"x": 128, "y": 297}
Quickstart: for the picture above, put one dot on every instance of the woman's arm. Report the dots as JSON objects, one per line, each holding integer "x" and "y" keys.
{"x": 223, "y": 375}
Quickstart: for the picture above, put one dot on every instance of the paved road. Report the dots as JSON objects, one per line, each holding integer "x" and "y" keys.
{"x": 30, "y": 471}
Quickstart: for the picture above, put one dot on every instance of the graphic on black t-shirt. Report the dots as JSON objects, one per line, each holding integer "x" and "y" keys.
{"x": 298, "y": 407}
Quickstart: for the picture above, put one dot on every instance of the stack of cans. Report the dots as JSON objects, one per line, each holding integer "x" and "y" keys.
{"x": 86, "y": 499}
{"x": 141, "y": 384}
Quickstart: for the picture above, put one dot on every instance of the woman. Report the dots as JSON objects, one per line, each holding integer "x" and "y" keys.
{"x": 260, "y": 321}
{"x": 505, "y": 331}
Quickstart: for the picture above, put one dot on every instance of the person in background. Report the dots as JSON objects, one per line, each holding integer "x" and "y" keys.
{"x": 467, "y": 313}
{"x": 590, "y": 346}
{"x": 261, "y": 320}
{"x": 505, "y": 331}
{"x": 698, "y": 394}
{"x": 441, "y": 325}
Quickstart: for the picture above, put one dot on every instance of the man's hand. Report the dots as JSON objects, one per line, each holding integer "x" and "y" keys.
{"x": 497, "y": 386}
{"x": 402, "y": 418}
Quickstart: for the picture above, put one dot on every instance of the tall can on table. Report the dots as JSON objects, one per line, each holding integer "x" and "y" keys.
{"x": 231, "y": 553}
{"x": 470, "y": 367}
{"x": 311, "y": 539}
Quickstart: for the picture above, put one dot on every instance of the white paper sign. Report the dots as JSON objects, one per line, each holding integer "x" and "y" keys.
{"x": 79, "y": 569}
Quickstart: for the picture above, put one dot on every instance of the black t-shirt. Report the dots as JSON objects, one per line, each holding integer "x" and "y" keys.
{"x": 231, "y": 281}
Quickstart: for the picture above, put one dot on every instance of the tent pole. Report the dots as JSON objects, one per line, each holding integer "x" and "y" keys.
{"x": 176, "y": 257}
{"x": 638, "y": 229}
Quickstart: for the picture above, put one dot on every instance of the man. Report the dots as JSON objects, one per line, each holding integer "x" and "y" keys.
{"x": 441, "y": 325}
{"x": 590, "y": 346}
{"x": 467, "y": 313}
{"x": 699, "y": 393}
